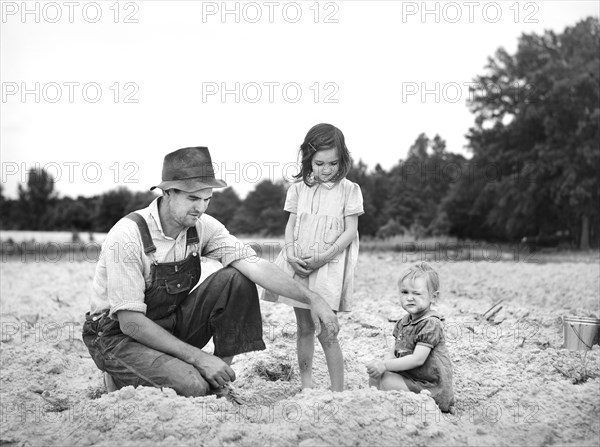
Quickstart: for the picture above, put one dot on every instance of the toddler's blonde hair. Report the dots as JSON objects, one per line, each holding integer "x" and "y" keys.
{"x": 423, "y": 269}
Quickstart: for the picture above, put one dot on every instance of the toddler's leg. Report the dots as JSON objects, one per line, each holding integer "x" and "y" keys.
{"x": 334, "y": 357}
{"x": 391, "y": 381}
{"x": 305, "y": 344}
{"x": 374, "y": 382}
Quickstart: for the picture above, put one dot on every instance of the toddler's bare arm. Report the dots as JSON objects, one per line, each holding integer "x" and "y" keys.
{"x": 411, "y": 361}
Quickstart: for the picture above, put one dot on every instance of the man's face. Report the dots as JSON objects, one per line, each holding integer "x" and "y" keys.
{"x": 185, "y": 208}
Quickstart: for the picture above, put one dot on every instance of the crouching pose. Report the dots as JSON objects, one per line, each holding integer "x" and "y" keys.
{"x": 148, "y": 324}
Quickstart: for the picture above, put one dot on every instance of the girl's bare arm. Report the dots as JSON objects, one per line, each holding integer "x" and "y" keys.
{"x": 297, "y": 264}
{"x": 337, "y": 247}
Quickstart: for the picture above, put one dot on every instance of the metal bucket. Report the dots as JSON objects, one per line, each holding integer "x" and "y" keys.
{"x": 580, "y": 333}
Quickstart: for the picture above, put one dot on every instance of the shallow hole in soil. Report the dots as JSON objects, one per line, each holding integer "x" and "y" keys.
{"x": 274, "y": 371}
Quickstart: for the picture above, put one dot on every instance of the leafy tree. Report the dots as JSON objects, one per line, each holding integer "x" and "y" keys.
{"x": 538, "y": 130}
{"x": 70, "y": 215}
{"x": 420, "y": 183}
{"x": 111, "y": 207}
{"x": 139, "y": 200}
{"x": 374, "y": 195}
{"x": 115, "y": 204}
{"x": 224, "y": 205}
{"x": 6, "y": 210}
{"x": 35, "y": 200}
{"x": 262, "y": 211}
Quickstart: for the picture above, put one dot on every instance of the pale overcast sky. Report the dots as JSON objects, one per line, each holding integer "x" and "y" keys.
{"x": 99, "y": 92}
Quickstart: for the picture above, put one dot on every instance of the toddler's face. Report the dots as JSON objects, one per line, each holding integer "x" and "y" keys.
{"x": 325, "y": 164}
{"x": 414, "y": 296}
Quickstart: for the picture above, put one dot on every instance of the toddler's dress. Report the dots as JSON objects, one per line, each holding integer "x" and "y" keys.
{"x": 435, "y": 374}
{"x": 320, "y": 210}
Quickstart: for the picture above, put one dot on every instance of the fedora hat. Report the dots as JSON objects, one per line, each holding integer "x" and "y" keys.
{"x": 189, "y": 169}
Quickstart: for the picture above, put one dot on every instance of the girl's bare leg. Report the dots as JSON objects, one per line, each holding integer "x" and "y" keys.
{"x": 335, "y": 359}
{"x": 374, "y": 382}
{"x": 305, "y": 345}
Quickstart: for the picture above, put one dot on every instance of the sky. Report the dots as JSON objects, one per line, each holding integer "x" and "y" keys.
{"x": 97, "y": 93}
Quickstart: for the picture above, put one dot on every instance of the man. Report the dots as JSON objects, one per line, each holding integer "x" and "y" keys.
{"x": 146, "y": 325}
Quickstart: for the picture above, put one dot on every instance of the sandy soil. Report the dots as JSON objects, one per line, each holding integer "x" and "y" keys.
{"x": 514, "y": 383}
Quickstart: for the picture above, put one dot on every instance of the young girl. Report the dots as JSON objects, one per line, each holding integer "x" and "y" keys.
{"x": 321, "y": 241}
{"x": 419, "y": 360}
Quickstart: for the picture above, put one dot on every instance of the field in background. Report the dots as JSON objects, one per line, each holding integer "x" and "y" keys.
{"x": 55, "y": 246}
{"x": 50, "y": 236}
{"x": 514, "y": 382}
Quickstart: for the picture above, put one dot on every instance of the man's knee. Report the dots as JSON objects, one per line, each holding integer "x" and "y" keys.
{"x": 234, "y": 275}
{"x": 193, "y": 386}
{"x": 187, "y": 380}
{"x": 174, "y": 373}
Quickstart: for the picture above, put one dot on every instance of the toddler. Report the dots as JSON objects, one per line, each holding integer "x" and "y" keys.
{"x": 419, "y": 360}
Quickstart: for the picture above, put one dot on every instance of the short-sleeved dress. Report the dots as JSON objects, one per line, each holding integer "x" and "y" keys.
{"x": 320, "y": 211}
{"x": 435, "y": 374}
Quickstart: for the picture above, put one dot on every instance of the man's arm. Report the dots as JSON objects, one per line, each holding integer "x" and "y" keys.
{"x": 271, "y": 277}
{"x": 147, "y": 332}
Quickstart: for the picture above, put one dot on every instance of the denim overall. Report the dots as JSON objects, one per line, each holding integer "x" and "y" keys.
{"x": 225, "y": 307}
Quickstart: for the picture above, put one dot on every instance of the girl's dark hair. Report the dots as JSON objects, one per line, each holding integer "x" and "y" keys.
{"x": 320, "y": 137}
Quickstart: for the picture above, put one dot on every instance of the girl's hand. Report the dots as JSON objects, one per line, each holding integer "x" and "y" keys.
{"x": 376, "y": 368}
{"x": 299, "y": 266}
{"x": 314, "y": 262}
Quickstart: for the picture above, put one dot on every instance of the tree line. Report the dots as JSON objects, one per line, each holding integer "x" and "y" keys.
{"x": 533, "y": 171}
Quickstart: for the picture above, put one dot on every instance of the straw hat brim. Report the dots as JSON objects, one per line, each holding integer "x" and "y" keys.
{"x": 190, "y": 185}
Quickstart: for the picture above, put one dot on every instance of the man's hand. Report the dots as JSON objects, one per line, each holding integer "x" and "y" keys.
{"x": 139, "y": 327}
{"x": 324, "y": 319}
{"x": 376, "y": 368}
{"x": 271, "y": 277}
{"x": 299, "y": 266}
{"x": 216, "y": 372}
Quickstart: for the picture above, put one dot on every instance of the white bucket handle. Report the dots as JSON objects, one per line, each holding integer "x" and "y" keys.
{"x": 579, "y": 337}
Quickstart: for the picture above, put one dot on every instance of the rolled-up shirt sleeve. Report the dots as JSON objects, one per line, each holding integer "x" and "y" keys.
{"x": 220, "y": 245}
{"x": 125, "y": 283}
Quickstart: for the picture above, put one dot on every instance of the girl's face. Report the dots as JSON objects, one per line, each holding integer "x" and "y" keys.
{"x": 325, "y": 164}
{"x": 414, "y": 296}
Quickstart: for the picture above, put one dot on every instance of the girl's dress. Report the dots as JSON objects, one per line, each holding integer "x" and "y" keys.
{"x": 435, "y": 374}
{"x": 320, "y": 211}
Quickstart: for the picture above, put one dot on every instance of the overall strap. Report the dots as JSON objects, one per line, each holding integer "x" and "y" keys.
{"x": 149, "y": 247}
{"x": 191, "y": 235}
